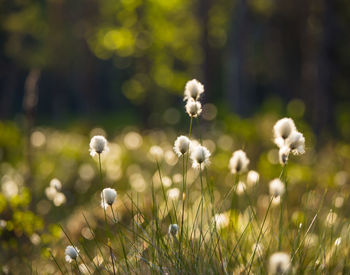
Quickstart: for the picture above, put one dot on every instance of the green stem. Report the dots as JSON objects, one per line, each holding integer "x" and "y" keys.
{"x": 202, "y": 192}
{"x": 259, "y": 236}
{"x": 103, "y": 196}
{"x": 76, "y": 262}
{"x": 183, "y": 198}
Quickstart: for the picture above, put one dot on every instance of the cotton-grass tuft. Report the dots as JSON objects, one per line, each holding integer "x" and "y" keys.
{"x": 282, "y": 130}
{"x": 296, "y": 143}
{"x": 193, "y": 90}
{"x": 252, "y": 178}
{"x": 108, "y": 196}
{"x": 200, "y": 156}
{"x": 98, "y": 145}
{"x": 279, "y": 263}
{"x": 71, "y": 253}
{"x": 238, "y": 162}
{"x": 193, "y": 108}
{"x": 173, "y": 229}
{"x": 181, "y": 145}
{"x": 283, "y": 154}
{"x": 277, "y": 188}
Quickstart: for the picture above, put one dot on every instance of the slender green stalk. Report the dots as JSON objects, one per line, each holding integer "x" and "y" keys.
{"x": 53, "y": 257}
{"x": 111, "y": 253}
{"x": 183, "y": 199}
{"x": 202, "y": 195}
{"x": 115, "y": 220}
{"x": 260, "y": 234}
{"x": 76, "y": 262}
{"x": 103, "y": 196}
{"x": 282, "y": 202}
{"x": 163, "y": 191}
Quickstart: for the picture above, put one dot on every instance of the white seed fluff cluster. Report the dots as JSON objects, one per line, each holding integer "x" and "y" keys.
{"x": 199, "y": 156}
{"x": 193, "y": 108}
{"x": 71, "y": 253}
{"x": 108, "y": 196}
{"x": 173, "y": 229}
{"x": 53, "y": 192}
{"x": 277, "y": 188}
{"x": 240, "y": 188}
{"x": 193, "y": 91}
{"x": 98, "y": 145}
{"x": 238, "y": 162}
{"x": 181, "y": 145}
{"x": 279, "y": 263}
{"x": 252, "y": 178}
{"x": 288, "y": 139}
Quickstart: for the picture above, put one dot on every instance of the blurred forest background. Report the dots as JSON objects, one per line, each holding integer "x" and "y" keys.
{"x": 130, "y": 59}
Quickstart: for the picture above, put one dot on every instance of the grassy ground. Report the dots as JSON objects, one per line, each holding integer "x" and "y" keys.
{"x": 226, "y": 224}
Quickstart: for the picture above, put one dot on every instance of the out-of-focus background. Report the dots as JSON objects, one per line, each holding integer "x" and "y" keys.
{"x": 128, "y": 60}
{"x": 71, "y": 69}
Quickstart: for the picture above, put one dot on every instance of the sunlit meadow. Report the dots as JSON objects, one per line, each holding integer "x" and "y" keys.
{"x": 223, "y": 196}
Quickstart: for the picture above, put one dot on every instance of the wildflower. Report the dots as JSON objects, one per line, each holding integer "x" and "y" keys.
{"x": 71, "y": 253}
{"x": 200, "y": 156}
{"x": 181, "y": 145}
{"x": 283, "y": 154}
{"x": 252, "y": 178}
{"x": 240, "y": 188}
{"x": 282, "y": 130}
{"x": 59, "y": 199}
{"x": 221, "y": 220}
{"x": 279, "y": 263}
{"x": 56, "y": 184}
{"x": 193, "y": 108}
{"x": 98, "y": 145}
{"x": 277, "y": 188}
{"x": 296, "y": 143}
{"x": 238, "y": 162}
{"x": 108, "y": 196}
{"x": 156, "y": 152}
{"x": 173, "y": 229}
{"x": 193, "y": 90}
{"x": 50, "y": 192}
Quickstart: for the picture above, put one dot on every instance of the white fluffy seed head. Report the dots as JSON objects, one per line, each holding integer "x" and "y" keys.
{"x": 283, "y": 154}
{"x": 98, "y": 145}
{"x": 282, "y": 130}
{"x": 55, "y": 183}
{"x": 277, "y": 188}
{"x": 279, "y": 263}
{"x": 193, "y": 89}
{"x": 193, "y": 108}
{"x": 296, "y": 143}
{"x": 238, "y": 162}
{"x": 173, "y": 229}
{"x": 200, "y": 156}
{"x": 240, "y": 188}
{"x": 221, "y": 220}
{"x": 71, "y": 253}
{"x": 181, "y": 145}
{"x": 108, "y": 196}
{"x": 252, "y": 178}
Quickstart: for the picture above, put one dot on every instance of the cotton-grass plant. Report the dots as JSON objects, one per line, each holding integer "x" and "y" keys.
{"x": 203, "y": 234}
